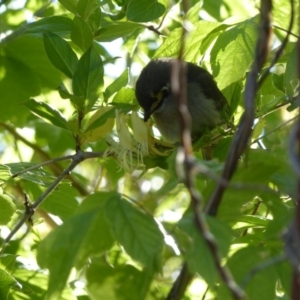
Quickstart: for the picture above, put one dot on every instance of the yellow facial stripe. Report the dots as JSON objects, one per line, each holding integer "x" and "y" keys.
{"x": 158, "y": 98}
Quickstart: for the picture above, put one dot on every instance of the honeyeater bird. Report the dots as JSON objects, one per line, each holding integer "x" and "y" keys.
{"x": 206, "y": 104}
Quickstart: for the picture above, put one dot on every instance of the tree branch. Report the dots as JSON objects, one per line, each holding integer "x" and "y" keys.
{"x": 186, "y": 160}
{"x": 279, "y": 51}
{"x": 30, "y": 208}
{"x": 56, "y": 168}
{"x": 292, "y": 236}
{"x": 243, "y": 134}
{"x": 45, "y": 163}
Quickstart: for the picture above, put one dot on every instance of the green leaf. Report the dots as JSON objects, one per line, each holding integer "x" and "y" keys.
{"x": 77, "y": 233}
{"x": 233, "y": 53}
{"x": 124, "y": 95}
{"x": 34, "y": 285}
{"x": 291, "y": 80}
{"x": 144, "y": 10}
{"x": 94, "y": 20}
{"x": 193, "y": 13}
{"x": 8, "y": 208}
{"x": 198, "y": 254}
{"x": 60, "y": 53}
{"x": 64, "y": 93}
{"x": 235, "y": 198}
{"x": 69, "y": 5}
{"x": 30, "y": 70}
{"x": 56, "y": 139}
{"x": 6, "y": 282}
{"x": 124, "y": 107}
{"x": 88, "y": 78}
{"x": 116, "y": 85}
{"x": 98, "y": 122}
{"x": 86, "y": 7}
{"x": 241, "y": 263}
{"x": 116, "y": 282}
{"x": 284, "y": 270}
{"x": 81, "y": 34}
{"x": 5, "y": 173}
{"x": 38, "y": 175}
{"x": 56, "y": 24}
{"x": 221, "y": 149}
{"x": 96, "y": 202}
{"x": 116, "y": 30}
{"x": 7, "y": 262}
{"x": 192, "y": 52}
{"x": 62, "y": 201}
{"x": 233, "y": 94}
{"x": 136, "y": 231}
{"x": 254, "y": 221}
{"x": 46, "y": 112}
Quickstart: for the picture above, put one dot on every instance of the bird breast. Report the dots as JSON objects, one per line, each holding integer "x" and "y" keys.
{"x": 202, "y": 110}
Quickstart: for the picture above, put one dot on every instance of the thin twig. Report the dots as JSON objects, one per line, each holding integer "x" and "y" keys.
{"x": 152, "y": 28}
{"x": 156, "y": 29}
{"x": 279, "y": 51}
{"x": 285, "y": 30}
{"x": 76, "y": 159}
{"x": 261, "y": 266}
{"x": 275, "y": 129}
{"x": 56, "y": 168}
{"x": 178, "y": 84}
{"x": 162, "y": 20}
{"x": 201, "y": 169}
{"x": 48, "y": 162}
{"x": 205, "y": 293}
{"x": 255, "y": 209}
{"x": 278, "y": 106}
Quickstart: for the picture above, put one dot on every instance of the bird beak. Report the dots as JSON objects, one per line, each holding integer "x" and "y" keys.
{"x": 158, "y": 99}
{"x": 147, "y": 115}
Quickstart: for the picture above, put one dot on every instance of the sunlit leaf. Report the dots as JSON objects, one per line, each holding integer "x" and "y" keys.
{"x": 88, "y": 78}
{"x": 8, "y": 208}
{"x": 77, "y": 233}
{"x": 46, "y": 112}
{"x": 5, "y": 173}
{"x": 143, "y": 242}
{"x": 60, "y": 54}
{"x": 116, "y": 30}
{"x": 124, "y": 95}
{"x": 198, "y": 254}
{"x": 69, "y": 5}
{"x": 116, "y": 85}
{"x": 233, "y": 52}
{"x": 37, "y": 175}
{"x": 81, "y": 33}
{"x": 144, "y": 10}
{"x": 6, "y": 282}
{"x": 7, "y": 262}
{"x": 56, "y": 24}
{"x": 86, "y": 7}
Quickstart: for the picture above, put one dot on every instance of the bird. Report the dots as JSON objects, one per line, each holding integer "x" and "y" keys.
{"x": 205, "y": 102}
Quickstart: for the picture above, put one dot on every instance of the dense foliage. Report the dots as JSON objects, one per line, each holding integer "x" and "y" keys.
{"x": 119, "y": 226}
